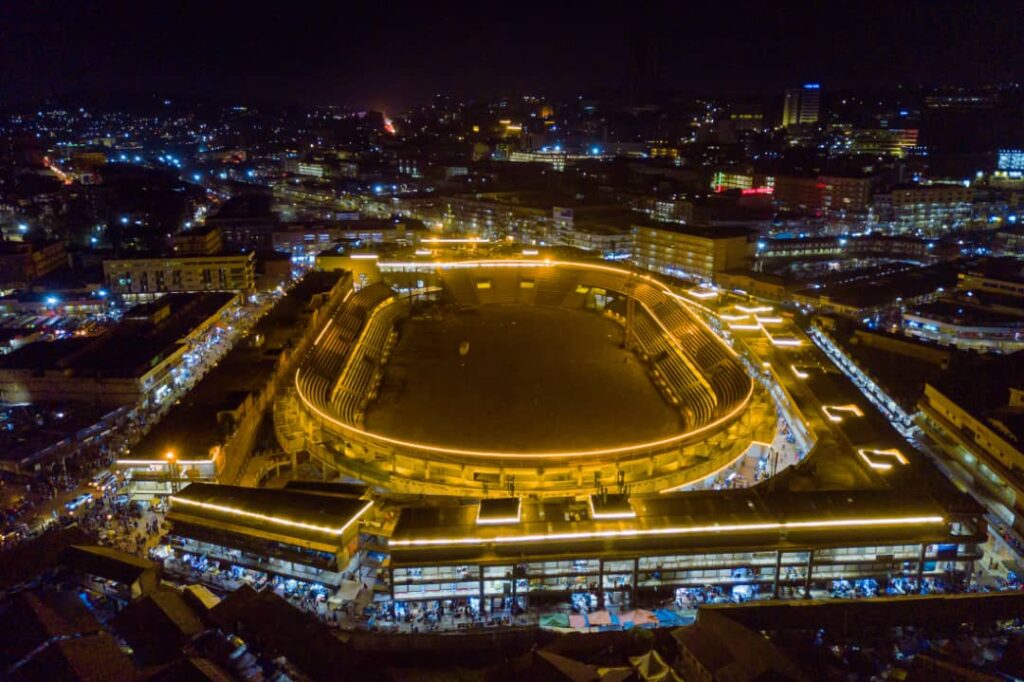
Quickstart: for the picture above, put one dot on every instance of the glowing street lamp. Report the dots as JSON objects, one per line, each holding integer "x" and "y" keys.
{"x": 172, "y": 459}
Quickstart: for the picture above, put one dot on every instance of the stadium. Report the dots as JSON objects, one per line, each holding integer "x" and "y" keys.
{"x": 547, "y": 378}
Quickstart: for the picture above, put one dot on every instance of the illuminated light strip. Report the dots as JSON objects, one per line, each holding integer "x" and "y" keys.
{"x": 675, "y": 530}
{"x": 364, "y": 256}
{"x": 755, "y": 309}
{"x": 687, "y": 304}
{"x": 769, "y": 320}
{"x": 594, "y": 514}
{"x": 323, "y": 331}
{"x": 694, "y": 316}
{"x": 468, "y": 240}
{"x": 501, "y": 519}
{"x": 733, "y": 318}
{"x": 799, "y": 374}
{"x": 787, "y": 342}
{"x": 273, "y": 519}
{"x": 545, "y": 455}
{"x": 745, "y": 327}
{"x": 530, "y": 252}
{"x": 426, "y": 447}
{"x": 702, "y": 295}
{"x": 134, "y": 462}
{"x": 423, "y": 252}
{"x": 837, "y": 418}
{"x": 884, "y": 466}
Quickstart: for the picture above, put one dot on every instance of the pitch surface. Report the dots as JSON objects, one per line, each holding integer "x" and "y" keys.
{"x": 534, "y": 379}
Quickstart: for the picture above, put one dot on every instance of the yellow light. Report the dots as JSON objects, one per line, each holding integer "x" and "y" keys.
{"x": 799, "y": 374}
{"x": 146, "y": 462}
{"x": 755, "y": 309}
{"x": 273, "y": 519}
{"x": 523, "y": 455}
{"x": 467, "y": 240}
{"x": 830, "y": 411}
{"x": 673, "y": 530}
{"x": 364, "y": 256}
{"x": 701, "y": 294}
{"x": 170, "y": 456}
{"x": 734, "y": 318}
{"x": 499, "y": 520}
{"x": 867, "y": 455}
{"x": 322, "y": 332}
{"x": 601, "y": 516}
{"x": 545, "y": 455}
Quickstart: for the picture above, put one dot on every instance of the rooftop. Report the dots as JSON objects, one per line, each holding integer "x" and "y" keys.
{"x": 450, "y": 530}
{"x": 983, "y": 388}
{"x": 316, "y": 518}
{"x": 130, "y": 349}
{"x": 964, "y": 314}
{"x": 204, "y": 417}
{"x": 707, "y": 232}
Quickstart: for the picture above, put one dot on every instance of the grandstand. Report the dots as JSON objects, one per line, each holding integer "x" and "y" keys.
{"x": 709, "y": 409}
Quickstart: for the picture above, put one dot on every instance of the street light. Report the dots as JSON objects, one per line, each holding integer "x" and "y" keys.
{"x": 171, "y": 473}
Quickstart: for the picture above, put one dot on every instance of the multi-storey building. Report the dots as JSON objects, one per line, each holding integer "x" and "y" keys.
{"x": 801, "y": 106}
{"x": 796, "y": 191}
{"x": 845, "y": 193}
{"x": 690, "y": 252}
{"x": 191, "y": 273}
{"x": 975, "y": 415}
{"x": 931, "y": 209}
{"x": 1003, "y": 276}
{"x": 135, "y": 364}
{"x": 201, "y": 241}
{"x": 895, "y": 142}
{"x": 22, "y": 262}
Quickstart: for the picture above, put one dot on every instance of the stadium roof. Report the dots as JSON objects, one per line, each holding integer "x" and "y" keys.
{"x": 316, "y": 518}
{"x": 448, "y": 529}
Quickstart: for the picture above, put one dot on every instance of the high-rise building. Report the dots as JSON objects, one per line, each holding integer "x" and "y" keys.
{"x": 801, "y": 105}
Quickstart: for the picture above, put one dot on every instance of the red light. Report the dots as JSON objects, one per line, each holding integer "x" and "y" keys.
{"x": 753, "y": 191}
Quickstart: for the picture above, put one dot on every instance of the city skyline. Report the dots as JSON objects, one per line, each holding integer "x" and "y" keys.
{"x": 510, "y": 342}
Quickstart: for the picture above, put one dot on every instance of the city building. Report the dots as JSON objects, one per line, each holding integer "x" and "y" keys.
{"x": 210, "y": 432}
{"x": 726, "y": 179}
{"x": 931, "y": 209}
{"x": 975, "y": 415}
{"x": 136, "y": 363}
{"x": 968, "y": 327}
{"x": 801, "y": 106}
{"x": 200, "y": 241}
{"x": 801, "y": 192}
{"x": 846, "y": 193}
{"x": 155, "y": 275}
{"x": 294, "y": 534}
{"x": 690, "y": 252}
{"x": 1002, "y": 276}
{"x": 882, "y": 142}
{"x": 246, "y": 222}
{"x": 22, "y": 262}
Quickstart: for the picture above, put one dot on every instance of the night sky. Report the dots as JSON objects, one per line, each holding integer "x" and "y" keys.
{"x": 391, "y": 54}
